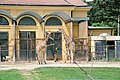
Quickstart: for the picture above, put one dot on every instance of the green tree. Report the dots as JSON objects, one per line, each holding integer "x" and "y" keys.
{"x": 104, "y": 13}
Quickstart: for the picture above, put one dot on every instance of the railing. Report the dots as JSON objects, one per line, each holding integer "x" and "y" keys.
{"x": 105, "y": 53}
{"x": 26, "y": 51}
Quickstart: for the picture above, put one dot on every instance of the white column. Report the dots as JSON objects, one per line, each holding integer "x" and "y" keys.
{"x": 116, "y": 49}
{"x": 118, "y": 25}
{"x": 0, "y": 53}
{"x": 93, "y": 48}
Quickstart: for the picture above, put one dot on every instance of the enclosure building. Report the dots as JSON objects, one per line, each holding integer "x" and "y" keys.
{"x": 104, "y": 46}
{"x": 24, "y": 22}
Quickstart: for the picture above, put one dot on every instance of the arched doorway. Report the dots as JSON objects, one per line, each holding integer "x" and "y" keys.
{"x": 55, "y": 41}
{"x": 53, "y": 21}
{"x": 27, "y": 23}
{"x": 4, "y": 38}
{"x": 27, "y": 40}
{"x": 26, "y": 28}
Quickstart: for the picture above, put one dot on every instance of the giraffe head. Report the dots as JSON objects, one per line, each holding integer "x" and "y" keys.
{"x": 48, "y": 35}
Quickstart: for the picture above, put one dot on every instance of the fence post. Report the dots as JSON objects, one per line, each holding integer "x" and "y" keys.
{"x": 115, "y": 49}
{"x": 0, "y": 53}
{"x": 118, "y": 25}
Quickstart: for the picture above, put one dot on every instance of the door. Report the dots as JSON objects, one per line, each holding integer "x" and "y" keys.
{"x": 110, "y": 50}
{"x": 55, "y": 42}
{"x": 3, "y": 46}
{"x": 27, "y": 45}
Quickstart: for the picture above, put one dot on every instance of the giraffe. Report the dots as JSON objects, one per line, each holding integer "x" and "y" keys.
{"x": 41, "y": 49}
{"x": 70, "y": 46}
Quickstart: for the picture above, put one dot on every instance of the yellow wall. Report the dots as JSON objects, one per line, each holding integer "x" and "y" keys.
{"x": 76, "y": 30}
{"x": 98, "y": 32}
{"x": 83, "y": 30}
{"x": 80, "y": 28}
{"x": 78, "y": 13}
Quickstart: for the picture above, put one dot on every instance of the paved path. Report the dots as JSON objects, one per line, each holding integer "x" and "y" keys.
{"x": 30, "y": 66}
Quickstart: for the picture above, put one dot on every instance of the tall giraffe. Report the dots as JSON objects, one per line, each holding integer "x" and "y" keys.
{"x": 41, "y": 49}
{"x": 69, "y": 44}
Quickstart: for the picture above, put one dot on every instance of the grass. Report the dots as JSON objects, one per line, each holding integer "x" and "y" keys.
{"x": 60, "y": 73}
{"x": 11, "y": 75}
{"x": 76, "y": 74}
{"x": 57, "y": 74}
{"x": 115, "y": 60}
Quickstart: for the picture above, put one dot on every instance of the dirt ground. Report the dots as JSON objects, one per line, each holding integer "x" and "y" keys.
{"x": 30, "y": 66}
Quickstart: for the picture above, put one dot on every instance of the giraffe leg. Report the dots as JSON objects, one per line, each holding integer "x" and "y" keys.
{"x": 71, "y": 56}
{"x": 65, "y": 58}
{"x": 45, "y": 57}
{"x": 38, "y": 59}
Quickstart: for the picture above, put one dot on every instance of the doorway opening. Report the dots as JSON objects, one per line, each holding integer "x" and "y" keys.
{"x": 55, "y": 42}
{"x": 27, "y": 46}
{"x": 3, "y": 46}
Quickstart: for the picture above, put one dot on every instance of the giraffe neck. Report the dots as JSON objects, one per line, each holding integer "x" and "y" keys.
{"x": 45, "y": 40}
{"x": 66, "y": 37}
{"x": 64, "y": 34}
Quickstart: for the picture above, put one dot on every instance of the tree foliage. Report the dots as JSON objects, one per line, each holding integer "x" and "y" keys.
{"x": 104, "y": 13}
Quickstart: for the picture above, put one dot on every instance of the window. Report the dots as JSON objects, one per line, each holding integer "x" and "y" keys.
{"x": 53, "y": 21}
{"x": 3, "y": 21}
{"x": 27, "y": 21}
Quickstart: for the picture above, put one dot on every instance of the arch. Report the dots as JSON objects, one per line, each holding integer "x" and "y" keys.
{"x": 66, "y": 18}
{"x": 53, "y": 21}
{"x": 3, "y": 21}
{"x": 6, "y": 14}
{"x": 27, "y": 21}
{"x": 31, "y": 13}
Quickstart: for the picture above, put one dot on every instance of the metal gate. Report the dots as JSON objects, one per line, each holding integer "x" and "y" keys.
{"x": 27, "y": 46}
{"x": 105, "y": 50}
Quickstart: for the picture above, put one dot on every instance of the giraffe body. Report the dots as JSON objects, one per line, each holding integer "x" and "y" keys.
{"x": 70, "y": 46}
{"x": 41, "y": 50}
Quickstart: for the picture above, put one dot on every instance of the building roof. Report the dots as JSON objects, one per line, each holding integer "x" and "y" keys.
{"x": 44, "y": 2}
{"x": 99, "y": 28}
{"x": 80, "y": 19}
{"x": 77, "y": 2}
{"x": 38, "y": 17}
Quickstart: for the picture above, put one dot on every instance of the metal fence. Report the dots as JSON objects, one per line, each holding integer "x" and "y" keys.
{"x": 106, "y": 50}
{"x": 81, "y": 50}
{"x": 25, "y": 50}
